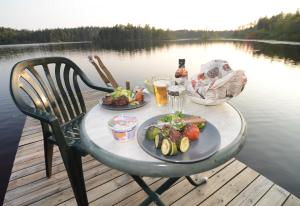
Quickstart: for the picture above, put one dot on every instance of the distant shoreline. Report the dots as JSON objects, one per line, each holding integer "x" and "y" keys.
{"x": 261, "y": 41}
{"x": 175, "y": 40}
{"x": 43, "y": 44}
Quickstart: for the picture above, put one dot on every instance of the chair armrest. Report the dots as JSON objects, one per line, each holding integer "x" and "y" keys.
{"x": 38, "y": 114}
{"x": 104, "y": 89}
{"x": 90, "y": 84}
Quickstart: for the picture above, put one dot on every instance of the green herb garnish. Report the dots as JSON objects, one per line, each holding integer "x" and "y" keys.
{"x": 174, "y": 120}
{"x": 172, "y": 117}
{"x": 201, "y": 125}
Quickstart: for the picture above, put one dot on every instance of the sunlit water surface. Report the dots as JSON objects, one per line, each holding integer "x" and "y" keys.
{"x": 270, "y": 102}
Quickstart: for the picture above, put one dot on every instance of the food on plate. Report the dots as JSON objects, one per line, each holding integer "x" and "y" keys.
{"x": 139, "y": 95}
{"x": 194, "y": 120}
{"x": 183, "y": 144}
{"x": 191, "y": 131}
{"x": 173, "y": 149}
{"x": 122, "y": 100}
{"x": 173, "y": 132}
{"x": 166, "y": 147}
{"x": 152, "y": 132}
{"x": 158, "y": 140}
{"x": 121, "y": 97}
{"x": 107, "y": 100}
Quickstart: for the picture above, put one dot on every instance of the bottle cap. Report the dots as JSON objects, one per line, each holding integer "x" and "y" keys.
{"x": 181, "y": 63}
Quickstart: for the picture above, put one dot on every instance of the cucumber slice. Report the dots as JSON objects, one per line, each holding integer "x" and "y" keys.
{"x": 158, "y": 140}
{"x": 184, "y": 144}
{"x": 166, "y": 147}
{"x": 173, "y": 148}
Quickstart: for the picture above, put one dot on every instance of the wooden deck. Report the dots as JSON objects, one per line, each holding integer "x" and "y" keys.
{"x": 230, "y": 184}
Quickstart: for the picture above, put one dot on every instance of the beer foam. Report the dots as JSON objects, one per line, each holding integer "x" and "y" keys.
{"x": 161, "y": 83}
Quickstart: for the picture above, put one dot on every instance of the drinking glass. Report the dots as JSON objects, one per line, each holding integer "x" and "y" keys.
{"x": 176, "y": 98}
{"x": 160, "y": 85}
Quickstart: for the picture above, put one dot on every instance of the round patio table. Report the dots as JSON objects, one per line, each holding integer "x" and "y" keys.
{"x": 130, "y": 158}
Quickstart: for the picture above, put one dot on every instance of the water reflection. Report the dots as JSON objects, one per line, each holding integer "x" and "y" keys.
{"x": 288, "y": 53}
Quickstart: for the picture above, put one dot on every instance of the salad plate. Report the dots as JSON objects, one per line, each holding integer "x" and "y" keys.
{"x": 128, "y": 106}
{"x": 123, "y": 99}
{"x": 205, "y": 146}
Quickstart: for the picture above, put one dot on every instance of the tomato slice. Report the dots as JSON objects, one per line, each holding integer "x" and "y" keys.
{"x": 192, "y": 132}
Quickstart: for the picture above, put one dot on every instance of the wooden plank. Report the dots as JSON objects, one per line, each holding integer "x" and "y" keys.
{"x": 29, "y": 156}
{"x": 30, "y": 140}
{"x": 103, "y": 189}
{"x": 34, "y": 133}
{"x": 33, "y": 169}
{"x": 30, "y": 169}
{"x": 252, "y": 193}
{"x": 29, "y": 132}
{"x": 275, "y": 196}
{"x": 184, "y": 187}
{"x": 137, "y": 198}
{"x": 35, "y": 176}
{"x": 122, "y": 192}
{"x": 51, "y": 186}
{"x": 194, "y": 196}
{"x": 232, "y": 188}
{"x": 28, "y": 149}
{"x": 140, "y": 196}
{"x": 292, "y": 201}
{"x": 32, "y": 161}
{"x": 67, "y": 194}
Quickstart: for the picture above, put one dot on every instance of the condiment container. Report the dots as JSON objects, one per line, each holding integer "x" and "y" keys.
{"x": 123, "y": 127}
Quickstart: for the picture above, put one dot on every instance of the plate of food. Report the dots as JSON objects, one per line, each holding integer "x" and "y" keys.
{"x": 179, "y": 138}
{"x": 124, "y": 99}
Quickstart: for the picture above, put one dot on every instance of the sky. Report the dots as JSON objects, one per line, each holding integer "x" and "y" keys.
{"x": 165, "y": 14}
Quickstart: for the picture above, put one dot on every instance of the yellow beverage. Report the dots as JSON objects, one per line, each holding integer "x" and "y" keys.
{"x": 160, "y": 91}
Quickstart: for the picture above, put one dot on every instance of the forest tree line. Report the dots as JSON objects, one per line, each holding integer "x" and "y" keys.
{"x": 278, "y": 27}
{"x": 285, "y": 27}
{"x": 116, "y": 33}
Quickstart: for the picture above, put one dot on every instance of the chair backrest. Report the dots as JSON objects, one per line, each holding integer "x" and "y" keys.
{"x": 52, "y": 85}
{"x": 104, "y": 73}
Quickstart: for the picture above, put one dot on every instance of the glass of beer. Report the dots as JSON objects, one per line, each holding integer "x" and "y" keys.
{"x": 160, "y": 85}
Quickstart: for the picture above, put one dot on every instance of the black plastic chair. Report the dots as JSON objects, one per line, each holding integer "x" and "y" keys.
{"x": 47, "y": 89}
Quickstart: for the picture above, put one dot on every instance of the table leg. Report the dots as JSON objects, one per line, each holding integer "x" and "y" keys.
{"x": 153, "y": 195}
{"x": 197, "y": 181}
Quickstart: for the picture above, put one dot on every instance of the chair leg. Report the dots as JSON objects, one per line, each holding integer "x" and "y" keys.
{"x": 73, "y": 164}
{"x": 48, "y": 152}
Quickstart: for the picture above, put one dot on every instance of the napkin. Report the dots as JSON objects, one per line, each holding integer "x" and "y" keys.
{"x": 217, "y": 82}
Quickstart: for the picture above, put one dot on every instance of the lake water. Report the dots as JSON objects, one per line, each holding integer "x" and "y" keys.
{"x": 270, "y": 102}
